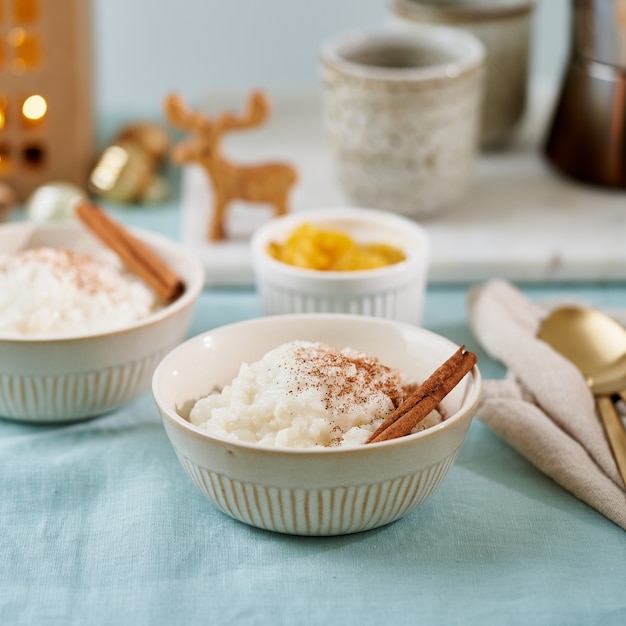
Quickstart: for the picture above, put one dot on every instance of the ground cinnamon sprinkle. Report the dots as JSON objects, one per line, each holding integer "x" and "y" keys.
{"x": 56, "y": 291}
{"x": 345, "y": 376}
{"x": 83, "y": 272}
{"x": 303, "y": 394}
{"x": 307, "y": 394}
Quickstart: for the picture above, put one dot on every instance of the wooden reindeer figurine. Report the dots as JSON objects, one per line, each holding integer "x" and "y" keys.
{"x": 265, "y": 183}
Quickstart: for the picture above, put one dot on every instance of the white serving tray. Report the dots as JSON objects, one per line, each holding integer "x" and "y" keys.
{"x": 520, "y": 221}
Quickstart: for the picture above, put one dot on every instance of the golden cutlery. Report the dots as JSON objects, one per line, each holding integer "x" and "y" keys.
{"x": 596, "y": 344}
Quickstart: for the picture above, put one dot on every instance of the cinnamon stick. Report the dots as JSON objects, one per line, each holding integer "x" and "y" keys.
{"x": 135, "y": 255}
{"x": 426, "y": 397}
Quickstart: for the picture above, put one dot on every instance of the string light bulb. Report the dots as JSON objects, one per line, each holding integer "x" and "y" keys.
{"x": 34, "y": 108}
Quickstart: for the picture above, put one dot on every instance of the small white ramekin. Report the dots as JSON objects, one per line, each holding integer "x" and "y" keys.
{"x": 74, "y": 377}
{"x": 394, "y": 292}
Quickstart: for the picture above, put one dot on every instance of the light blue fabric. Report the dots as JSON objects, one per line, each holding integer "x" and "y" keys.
{"x": 100, "y": 525}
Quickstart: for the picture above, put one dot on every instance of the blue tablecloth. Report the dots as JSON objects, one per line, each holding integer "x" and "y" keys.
{"x": 100, "y": 525}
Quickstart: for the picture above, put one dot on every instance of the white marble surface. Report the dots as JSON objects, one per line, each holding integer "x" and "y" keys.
{"x": 520, "y": 220}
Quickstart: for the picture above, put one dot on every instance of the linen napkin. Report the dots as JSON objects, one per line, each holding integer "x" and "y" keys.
{"x": 543, "y": 408}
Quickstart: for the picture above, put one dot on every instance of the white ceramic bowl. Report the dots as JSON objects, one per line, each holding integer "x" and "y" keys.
{"x": 321, "y": 491}
{"x": 70, "y": 378}
{"x": 395, "y": 292}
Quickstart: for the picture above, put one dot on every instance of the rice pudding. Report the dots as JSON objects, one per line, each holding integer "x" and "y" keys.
{"x": 56, "y": 292}
{"x": 306, "y": 394}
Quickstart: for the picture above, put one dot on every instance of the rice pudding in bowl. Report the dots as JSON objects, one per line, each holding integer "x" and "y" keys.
{"x": 52, "y": 292}
{"x": 308, "y": 489}
{"x": 79, "y": 334}
{"x": 306, "y": 394}
{"x": 393, "y": 290}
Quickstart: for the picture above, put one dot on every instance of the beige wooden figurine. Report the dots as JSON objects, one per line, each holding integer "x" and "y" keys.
{"x": 267, "y": 183}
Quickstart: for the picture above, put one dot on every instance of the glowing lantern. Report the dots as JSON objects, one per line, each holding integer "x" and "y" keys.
{"x": 46, "y": 108}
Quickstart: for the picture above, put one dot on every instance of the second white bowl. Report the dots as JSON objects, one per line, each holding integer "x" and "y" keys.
{"x": 68, "y": 378}
{"x": 393, "y": 292}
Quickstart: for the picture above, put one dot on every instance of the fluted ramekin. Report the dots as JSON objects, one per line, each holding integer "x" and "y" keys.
{"x": 394, "y": 292}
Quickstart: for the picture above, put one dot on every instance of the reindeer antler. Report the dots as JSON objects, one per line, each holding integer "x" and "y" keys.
{"x": 257, "y": 111}
{"x": 182, "y": 117}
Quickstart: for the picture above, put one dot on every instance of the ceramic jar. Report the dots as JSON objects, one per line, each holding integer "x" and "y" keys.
{"x": 504, "y": 28}
{"x": 401, "y": 111}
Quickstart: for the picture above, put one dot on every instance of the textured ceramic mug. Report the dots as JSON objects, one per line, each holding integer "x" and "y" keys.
{"x": 402, "y": 114}
{"x": 504, "y": 28}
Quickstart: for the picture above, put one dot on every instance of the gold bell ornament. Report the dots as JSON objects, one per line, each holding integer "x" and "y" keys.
{"x": 128, "y": 168}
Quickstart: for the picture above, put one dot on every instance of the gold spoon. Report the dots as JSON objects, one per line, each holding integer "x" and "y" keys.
{"x": 596, "y": 345}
